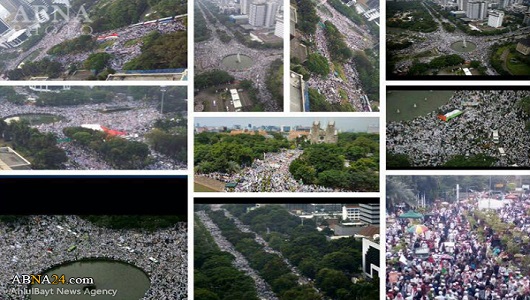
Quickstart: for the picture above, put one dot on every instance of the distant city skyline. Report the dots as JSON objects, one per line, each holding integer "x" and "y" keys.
{"x": 349, "y": 124}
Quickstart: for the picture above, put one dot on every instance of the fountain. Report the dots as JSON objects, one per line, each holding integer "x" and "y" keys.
{"x": 463, "y": 46}
{"x": 236, "y": 62}
{"x": 415, "y": 105}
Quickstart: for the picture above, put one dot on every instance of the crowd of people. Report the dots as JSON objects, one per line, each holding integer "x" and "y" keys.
{"x": 122, "y": 48}
{"x": 459, "y": 257}
{"x": 331, "y": 86}
{"x": 136, "y": 121}
{"x": 61, "y": 30}
{"x": 260, "y": 240}
{"x": 429, "y": 141}
{"x": 263, "y": 290}
{"x": 440, "y": 41}
{"x": 270, "y": 174}
{"x": 35, "y": 245}
{"x": 205, "y": 60}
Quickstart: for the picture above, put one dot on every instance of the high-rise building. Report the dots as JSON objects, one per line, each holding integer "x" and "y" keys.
{"x": 278, "y": 27}
{"x": 495, "y": 18}
{"x": 505, "y": 3}
{"x": 369, "y": 213}
{"x": 476, "y": 10}
{"x": 257, "y": 14}
{"x": 270, "y": 17}
{"x": 244, "y": 6}
{"x": 351, "y": 212}
{"x": 462, "y": 4}
{"x": 293, "y": 15}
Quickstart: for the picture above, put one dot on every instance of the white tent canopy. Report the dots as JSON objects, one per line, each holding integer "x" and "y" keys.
{"x": 491, "y": 204}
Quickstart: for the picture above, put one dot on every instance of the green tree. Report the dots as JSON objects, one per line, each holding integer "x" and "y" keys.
{"x": 97, "y": 61}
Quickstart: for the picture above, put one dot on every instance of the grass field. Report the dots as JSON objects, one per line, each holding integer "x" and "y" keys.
{"x": 517, "y": 68}
{"x": 201, "y": 188}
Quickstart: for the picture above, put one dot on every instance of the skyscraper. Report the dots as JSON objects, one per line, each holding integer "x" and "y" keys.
{"x": 272, "y": 10}
{"x": 257, "y": 13}
{"x": 495, "y": 18}
{"x": 244, "y": 6}
{"x": 476, "y": 10}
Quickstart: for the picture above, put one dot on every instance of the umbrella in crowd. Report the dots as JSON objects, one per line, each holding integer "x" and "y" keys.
{"x": 411, "y": 215}
{"x": 418, "y": 228}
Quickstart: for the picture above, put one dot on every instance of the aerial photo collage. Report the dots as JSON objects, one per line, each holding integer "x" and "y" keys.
{"x": 165, "y": 150}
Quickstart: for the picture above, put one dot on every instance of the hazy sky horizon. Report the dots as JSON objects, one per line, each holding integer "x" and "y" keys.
{"x": 342, "y": 123}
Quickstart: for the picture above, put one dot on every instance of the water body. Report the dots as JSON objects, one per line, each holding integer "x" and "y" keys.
{"x": 130, "y": 282}
{"x": 404, "y": 101}
{"x": 231, "y": 62}
{"x": 459, "y": 46}
{"x": 36, "y": 119}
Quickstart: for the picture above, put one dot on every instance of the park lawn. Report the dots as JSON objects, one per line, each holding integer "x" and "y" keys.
{"x": 106, "y": 44}
{"x": 338, "y": 68}
{"x": 201, "y": 188}
{"x": 343, "y": 94}
{"x": 426, "y": 53}
{"x": 132, "y": 42}
{"x": 519, "y": 68}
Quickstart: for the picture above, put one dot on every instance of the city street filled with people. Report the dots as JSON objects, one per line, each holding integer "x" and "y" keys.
{"x": 240, "y": 262}
{"x": 136, "y": 121}
{"x": 206, "y": 59}
{"x": 429, "y": 141}
{"x": 356, "y": 38}
{"x": 40, "y": 242}
{"x": 460, "y": 254}
{"x": 270, "y": 174}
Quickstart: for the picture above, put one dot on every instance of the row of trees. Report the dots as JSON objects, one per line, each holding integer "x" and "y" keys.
{"x": 74, "y": 97}
{"x": 200, "y": 31}
{"x": 215, "y": 278}
{"x": 44, "y": 67}
{"x": 212, "y": 78}
{"x": 170, "y": 138}
{"x": 161, "y": 51}
{"x": 338, "y": 49}
{"x": 223, "y": 36}
{"x": 420, "y": 19}
{"x": 330, "y": 264}
{"x": 437, "y": 63}
{"x": 270, "y": 266}
{"x": 118, "y": 152}
{"x": 307, "y": 24}
{"x": 147, "y": 222}
{"x": 39, "y": 148}
{"x": 317, "y": 64}
{"x": 218, "y": 152}
{"x": 367, "y": 65}
{"x": 9, "y": 93}
{"x": 83, "y": 43}
{"x": 325, "y": 164}
{"x": 400, "y": 161}
{"x": 117, "y": 14}
{"x": 318, "y": 102}
{"x": 274, "y": 81}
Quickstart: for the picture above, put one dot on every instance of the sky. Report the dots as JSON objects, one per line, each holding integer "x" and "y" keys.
{"x": 359, "y": 124}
